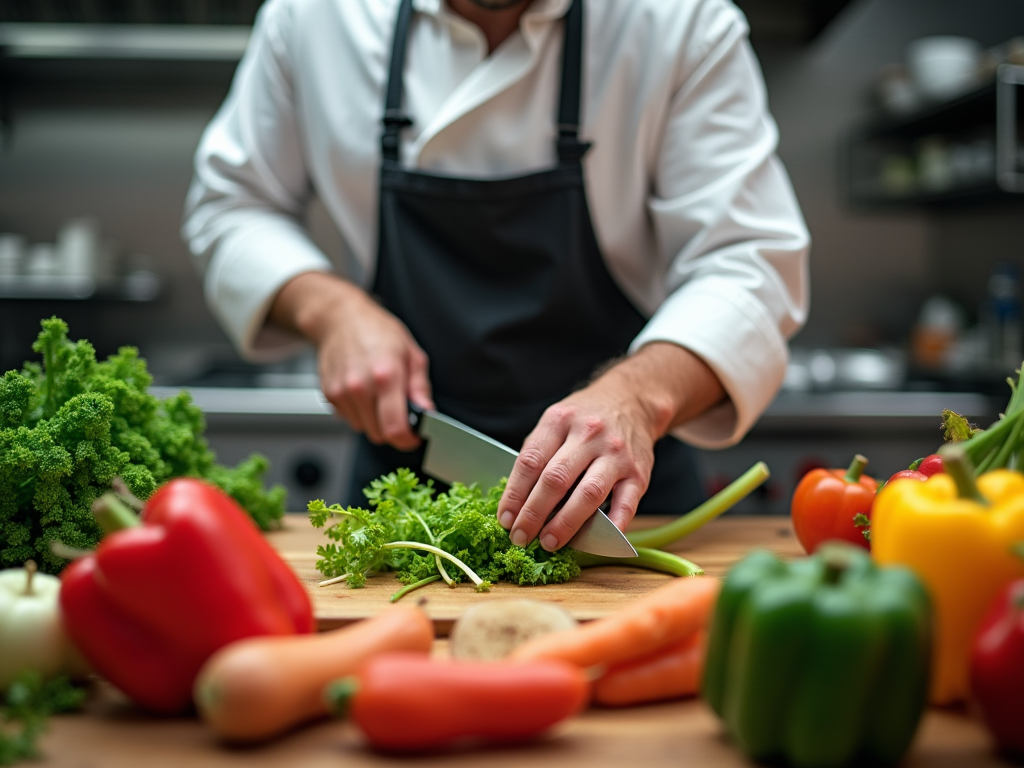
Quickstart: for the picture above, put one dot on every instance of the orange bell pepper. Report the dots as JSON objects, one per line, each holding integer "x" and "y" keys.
{"x": 826, "y": 501}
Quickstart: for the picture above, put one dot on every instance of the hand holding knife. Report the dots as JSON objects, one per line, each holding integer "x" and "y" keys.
{"x": 458, "y": 453}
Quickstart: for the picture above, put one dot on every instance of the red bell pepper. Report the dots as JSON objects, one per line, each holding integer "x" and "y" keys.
{"x": 908, "y": 474}
{"x": 997, "y": 668}
{"x": 165, "y": 591}
{"x": 930, "y": 465}
{"x": 921, "y": 469}
{"x": 826, "y": 501}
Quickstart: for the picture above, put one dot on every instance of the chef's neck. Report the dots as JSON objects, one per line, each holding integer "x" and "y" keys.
{"x": 496, "y": 23}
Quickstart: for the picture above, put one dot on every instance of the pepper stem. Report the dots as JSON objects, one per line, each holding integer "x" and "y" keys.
{"x": 112, "y": 514}
{"x": 856, "y": 469}
{"x": 836, "y": 562}
{"x": 30, "y": 572}
{"x": 956, "y": 464}
{"x": 339, "y": 694}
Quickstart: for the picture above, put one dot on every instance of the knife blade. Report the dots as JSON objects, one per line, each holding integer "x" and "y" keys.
{"x": 456, "y": 452}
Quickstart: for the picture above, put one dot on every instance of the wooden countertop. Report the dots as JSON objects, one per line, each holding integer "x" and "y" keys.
{"x": 113, "y": 733}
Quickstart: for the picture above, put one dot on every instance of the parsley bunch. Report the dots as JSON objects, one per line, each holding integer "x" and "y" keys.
{"x": 70, "y": 424}
{"x": 29, "y": 701}
{"x": 417, "y": 532}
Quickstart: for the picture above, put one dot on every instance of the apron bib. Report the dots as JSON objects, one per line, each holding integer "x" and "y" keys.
{"x": 502, "y": 283}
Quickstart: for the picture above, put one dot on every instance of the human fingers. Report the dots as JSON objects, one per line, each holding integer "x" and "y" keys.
{"x": 331, "y": 385}
{"x": 594, "y": 487}
{"x": 359, "y": 393}
{"x": 626, "y": 497}
{"x": 420, "y": 391}
{"x": 555, "y": 482}
{"x": 538, "y": 448}
{"x": 390, "y": 380}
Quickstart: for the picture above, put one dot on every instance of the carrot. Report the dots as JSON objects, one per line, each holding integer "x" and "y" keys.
{"x": 665, "y": 616}
{"x": 670, "y": 673}
{"x": 403, "y": 702}
{"x": 260, "y": 687}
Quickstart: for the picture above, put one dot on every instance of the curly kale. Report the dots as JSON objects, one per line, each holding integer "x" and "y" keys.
{"x": 461, "y": 523}
{"x": 71, "y": 424}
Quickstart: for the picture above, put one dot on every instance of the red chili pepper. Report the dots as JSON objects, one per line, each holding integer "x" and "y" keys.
{"x": 997, "y": 668}
{"x": 160, "y": 596}
{"x": 930, "y": 465}
{"x": 406, "y": 702}
{"x": 826, "y": 501}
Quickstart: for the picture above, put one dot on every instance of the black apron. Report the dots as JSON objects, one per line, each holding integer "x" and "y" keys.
{"x": 503, "y": 285}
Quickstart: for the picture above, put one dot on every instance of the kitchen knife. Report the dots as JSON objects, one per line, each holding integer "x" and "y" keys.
{"x": 457, "y": 453}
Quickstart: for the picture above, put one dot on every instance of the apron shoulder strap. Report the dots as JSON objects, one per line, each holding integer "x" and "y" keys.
{"x": 394, "y": 118}
{"x": 569, "y": 147}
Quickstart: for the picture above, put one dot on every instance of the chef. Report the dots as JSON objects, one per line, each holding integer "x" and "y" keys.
{"x": 564, "y": 224}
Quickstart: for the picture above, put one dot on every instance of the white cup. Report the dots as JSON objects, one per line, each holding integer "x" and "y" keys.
{"x": 12, "y": 253}
{"x": 943, "y": 66}
{"x": 78, "y": 244}
{"x": 42, "y": 261}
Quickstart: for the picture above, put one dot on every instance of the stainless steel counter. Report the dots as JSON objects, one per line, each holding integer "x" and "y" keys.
{"x": 310, "y": 449}
{"x": 826, "y": 411}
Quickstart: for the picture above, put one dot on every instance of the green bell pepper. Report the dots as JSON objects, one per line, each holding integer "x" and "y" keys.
{"x": 822, "y": 661}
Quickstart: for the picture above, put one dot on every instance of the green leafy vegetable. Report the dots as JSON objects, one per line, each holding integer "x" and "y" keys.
{"x": 1001, "y": 446}
{"x": 408, "y": 516}
{"x": 70, "y": 424}
{"x": 406, "y": 513}
{"x": 862, "y": 521}
{"x": 28, "y": 702}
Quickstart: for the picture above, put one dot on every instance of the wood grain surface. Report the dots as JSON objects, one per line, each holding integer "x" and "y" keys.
{"x": 113, "y": 734}
{"x": 596, "y": 593}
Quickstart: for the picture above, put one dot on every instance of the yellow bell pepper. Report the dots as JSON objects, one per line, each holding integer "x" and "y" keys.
{"x": 960, "y": 547}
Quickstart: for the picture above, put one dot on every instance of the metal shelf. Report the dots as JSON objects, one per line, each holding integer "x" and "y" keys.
{"x": 986, "y": 117}
{"x": 136, "y": 287}
{"x": 156, "y": 42}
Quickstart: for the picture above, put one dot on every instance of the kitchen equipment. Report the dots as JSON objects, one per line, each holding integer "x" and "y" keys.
{"x": 12, "y": 254}
{"x": 457, "y": 453}
{"x": 895, "y": 90}
{"x": 943, "y": 66}
{"x": 78, "y": 245}
{"x": 844, "y": 370}
{"x": 42, "y": 261}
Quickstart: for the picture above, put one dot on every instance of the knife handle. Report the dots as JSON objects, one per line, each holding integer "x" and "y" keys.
{"x": 415, "y": 416}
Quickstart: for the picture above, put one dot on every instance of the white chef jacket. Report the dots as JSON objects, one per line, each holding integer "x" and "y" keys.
{"x": 693, "y": 212}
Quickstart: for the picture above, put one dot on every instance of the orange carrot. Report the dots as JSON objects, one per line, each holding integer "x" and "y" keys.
{"x": 665, "y": 616}
{"x": 670, "y": 673}
{"x": 260, "y": 687}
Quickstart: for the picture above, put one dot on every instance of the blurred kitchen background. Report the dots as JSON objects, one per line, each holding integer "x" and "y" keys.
{"x": 905, "y": 146}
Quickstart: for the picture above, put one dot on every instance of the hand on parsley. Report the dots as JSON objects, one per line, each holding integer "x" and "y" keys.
{"x": 28, "y": 702}
{"x": 407, "y": 517}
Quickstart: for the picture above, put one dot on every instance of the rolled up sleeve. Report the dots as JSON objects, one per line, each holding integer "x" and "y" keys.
{"x": 243, "y": 214}
{"x": 732, "y": 235}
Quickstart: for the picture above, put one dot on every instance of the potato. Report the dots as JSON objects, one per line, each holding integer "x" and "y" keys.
{"x": 491, "y": 630}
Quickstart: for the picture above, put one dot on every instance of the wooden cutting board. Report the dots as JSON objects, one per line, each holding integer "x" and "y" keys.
{"x": 598, "y": 591}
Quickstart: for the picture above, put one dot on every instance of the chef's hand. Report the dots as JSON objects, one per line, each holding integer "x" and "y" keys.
{"x": 370, "y": 366}
{"x": 606, "y": 434}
